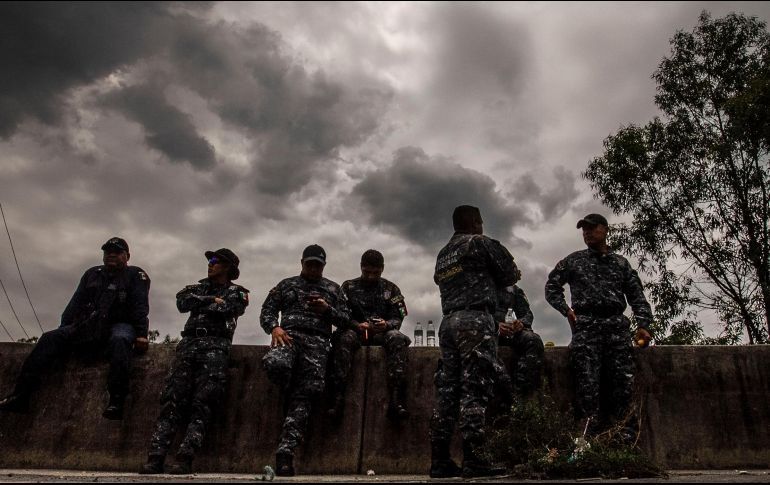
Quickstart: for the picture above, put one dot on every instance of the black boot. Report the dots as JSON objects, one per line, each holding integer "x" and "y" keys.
{"x": 441, "y": 464}
{"x": 474, "y": 465}
{"x": 183, "y": 465}
{"x": 284, "y": 465}
{"x": 18, "y": 402}
{"x": 397, "y": 405}
{"x": 114, "y": 409}
{"x": 154, "y": 465}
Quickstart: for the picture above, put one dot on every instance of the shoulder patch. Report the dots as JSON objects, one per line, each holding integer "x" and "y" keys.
{"x": 143, "y": 276}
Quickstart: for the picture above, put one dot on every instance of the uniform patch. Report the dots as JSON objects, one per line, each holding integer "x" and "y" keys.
{"x": 142, "y": 276}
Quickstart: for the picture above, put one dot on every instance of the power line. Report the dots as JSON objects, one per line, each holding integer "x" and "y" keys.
{"x": 19, "y": 270}
{"x": 12, "y": 309}
{"x": 6, "y": 330}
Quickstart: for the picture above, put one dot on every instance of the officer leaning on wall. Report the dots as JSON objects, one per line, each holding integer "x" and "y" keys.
{"x": 196, "y": 383}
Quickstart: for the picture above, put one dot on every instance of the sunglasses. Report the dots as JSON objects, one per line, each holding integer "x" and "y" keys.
{"x": 214, "y": 260}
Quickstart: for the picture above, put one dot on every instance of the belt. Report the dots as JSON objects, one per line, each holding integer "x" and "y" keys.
{"x": 481, "y": 307}
{"x": 201, "y": 332}
{"x": 597, "y": 312}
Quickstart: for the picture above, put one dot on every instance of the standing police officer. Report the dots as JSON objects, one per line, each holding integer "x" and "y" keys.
{"x": 527, "y": 346}
{"x": 468, "y": 270}
{"x": 309, "y": 305}
{"x": 108, "y": 312}
{"x": 600, "y": 282}
{"x": 378, "y": 309}
{"x": 196, "y": 383}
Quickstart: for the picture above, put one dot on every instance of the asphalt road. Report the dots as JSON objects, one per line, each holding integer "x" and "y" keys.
{"x": 59, "y": 476}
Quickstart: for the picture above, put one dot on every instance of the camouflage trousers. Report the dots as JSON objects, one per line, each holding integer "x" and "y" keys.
{"x": 346, "y": 342}
{"x": 299, "y": 370}
{"x": 465, "y": 375}
{"x": 603, "y": 369}
{"x": 528, "y": 353}
{"x": 194, "y": 389}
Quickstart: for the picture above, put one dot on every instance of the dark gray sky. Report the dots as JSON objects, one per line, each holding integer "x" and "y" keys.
{"x": 265, "y": 127}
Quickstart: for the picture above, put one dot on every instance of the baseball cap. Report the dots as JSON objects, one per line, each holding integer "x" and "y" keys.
{"x": 592, "y": 220}
{"x": 115, "y": 243}
{"x": 228, "y": 256}
{"x": 314, "y": 252}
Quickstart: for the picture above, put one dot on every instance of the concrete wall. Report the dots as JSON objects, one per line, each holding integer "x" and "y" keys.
{"x": 703, "y": 407}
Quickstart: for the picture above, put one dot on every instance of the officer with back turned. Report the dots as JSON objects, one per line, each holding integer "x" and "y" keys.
{"x": 309, "y": 305}
{"x": 107, "y": 314}
{"x": 600, "y": 282}
{"x": 196, "y": 383}
{"x": 468, "y": 270}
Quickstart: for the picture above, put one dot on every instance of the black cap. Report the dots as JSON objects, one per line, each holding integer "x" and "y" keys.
{"x": 592, "y": 220}
{"x": 115, "y": 243}
{"x": 314, "y": 252}
{"x": 228, "y": 256}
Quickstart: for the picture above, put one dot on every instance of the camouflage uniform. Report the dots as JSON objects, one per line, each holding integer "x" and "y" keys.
{"x": 196, "y": 383}
{"x": 300, "y": 368}
{"x": 527, "y": 346}
{"x": 468, "y": 270}
{"x": 384, "y": 300}
{"x": 600, "y": 351}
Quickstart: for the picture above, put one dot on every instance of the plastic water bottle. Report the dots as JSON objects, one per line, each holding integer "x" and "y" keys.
{"x": 510, "y": 317}
{"x": 418, "y": 335}
{"x": 431, "y": 334}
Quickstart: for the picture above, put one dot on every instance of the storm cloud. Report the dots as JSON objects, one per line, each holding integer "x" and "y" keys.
{"x": 416, "y": 195}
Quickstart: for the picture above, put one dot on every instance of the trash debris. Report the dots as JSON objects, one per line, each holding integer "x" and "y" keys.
{"x": 370, "y": 473}
{"x": 268, "y": 474}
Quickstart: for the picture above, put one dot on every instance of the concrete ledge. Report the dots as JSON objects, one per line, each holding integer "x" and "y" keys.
{"x": 704, "y": 407}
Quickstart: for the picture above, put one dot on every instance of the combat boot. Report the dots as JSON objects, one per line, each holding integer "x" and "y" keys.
{"x": 441, "y": 464}
{"x": 474, "y": 465}
{"x": 154, "y": 465}
{"x": 183, "y": 465}
{"x": 284, "y": 465}
{"x": 397, "y": 404}
{"x": 114, "y": 409}
{"x": 18, "y": 402}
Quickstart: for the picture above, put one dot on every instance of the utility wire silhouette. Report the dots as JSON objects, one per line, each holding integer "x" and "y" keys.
{"x": 19, "y": 270}
{"x": 6, "y": 330}
{"x": 12, "y": 309}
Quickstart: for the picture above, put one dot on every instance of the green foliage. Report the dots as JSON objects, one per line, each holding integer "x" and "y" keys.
{"x": 696, "y": 183}
{"x": 536, "y": 441}
{"x": 153, "y": 335}
{"x": 30, "y": 340}
{"x": 167, "y": 340}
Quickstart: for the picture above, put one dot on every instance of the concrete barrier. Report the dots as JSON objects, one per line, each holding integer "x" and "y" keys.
{"x": 703, "y": 407}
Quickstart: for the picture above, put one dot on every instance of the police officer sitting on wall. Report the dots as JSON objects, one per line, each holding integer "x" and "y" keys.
{"x": 600, "y": 281}
{"x": 108, "y": 312}
{"x": 526, "y": 346}
{"x": 377, "y": 308}
{"x": 309, "y": 305}
{"x": 196, "y": 383}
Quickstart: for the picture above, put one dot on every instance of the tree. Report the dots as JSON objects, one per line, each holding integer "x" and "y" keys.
{"x": 696, "y": 183}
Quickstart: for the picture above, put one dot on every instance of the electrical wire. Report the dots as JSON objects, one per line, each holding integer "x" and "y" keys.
{"x": 12, "y": 309}
{"x": 6, "y": 331}
{"x": 19, "y": 269}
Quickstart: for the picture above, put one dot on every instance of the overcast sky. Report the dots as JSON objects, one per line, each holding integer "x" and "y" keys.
{"x": 267, "y": 127}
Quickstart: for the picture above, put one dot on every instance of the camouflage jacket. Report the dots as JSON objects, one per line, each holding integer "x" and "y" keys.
{"x": 468, "y": 271}
{"x": 206, "y": 313}
{"x": 289, "y": 299}
{"x": 513, "y": 297}
{"x": 600, "y": 284}
{"x": 381, "y": 300}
